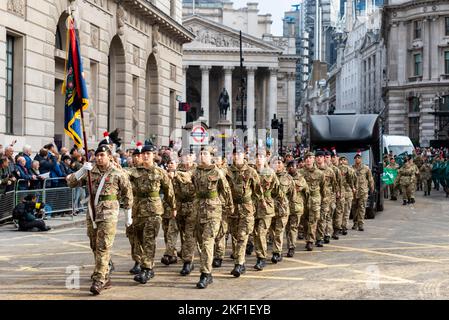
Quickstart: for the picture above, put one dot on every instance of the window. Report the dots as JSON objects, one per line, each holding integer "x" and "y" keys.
{"x": 413, "y": 106}
{"x": 9, "y": 83}
{"x": 446, "y": 62}
{"x": 417, "y": 29}
{"x": 413, "y": 129}
{"x": 418, "y": 64}
{"x": 444, "y": 103}
{"x": 446, "y": 26}
{"x": 172, "y": 72}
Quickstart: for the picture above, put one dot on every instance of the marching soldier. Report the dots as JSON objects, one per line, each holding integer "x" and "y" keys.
{"x": 265, "y": 209}
{"x": 348, "y": 183}
{"x": 296, "y": 207}
{"x": 364, "y": 184}
{"x": 315, "y": 180}
{"x": 332, "y": 162}
{"x": 209, "y": 182}
{"x": 148, "y": 180}
{"x": 392, "y": 187}
{"x": 330, "y": 187}
{"x": 405, "y": 177}
{"x": 136, "y": 246}
{"x": 109, "y": 186}
{"x": 426, "y": 176}
{"x": 245, "y": 184}
{"x": 169, "y": 225}
{"x": 418, "y": 163}
{"x": 282, "y": 208}
{"x": 187, "y": 161}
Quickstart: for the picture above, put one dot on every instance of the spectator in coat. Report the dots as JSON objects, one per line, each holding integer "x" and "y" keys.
{"x": 23, "y": 175}
{"x": 38, "y": 183}
{"x": 27, "y": 155}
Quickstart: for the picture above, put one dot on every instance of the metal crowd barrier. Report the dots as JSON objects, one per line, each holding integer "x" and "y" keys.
{"x": 54, "y": 193}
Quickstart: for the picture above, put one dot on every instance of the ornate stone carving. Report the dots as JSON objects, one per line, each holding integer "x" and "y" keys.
{"x": 136, "y": 55}
{"x": 156, "y": 38}
{"x": 280, "y": 42}
{"x": 17, "y": 7}
{"x": 121, "y": 18}
{"x": 95, "y": 36}
{"x": 216, "y": 39}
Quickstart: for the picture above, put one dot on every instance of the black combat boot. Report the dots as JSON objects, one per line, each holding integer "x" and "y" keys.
{"x": 135, "y": 269}
{"x": 327, "y": 239}
{"x": 361, "y": 228}
{"x": 291, "y": 252}
{"x": 96, "y": 287}
{"x": 354, "y": 227}
{"x": 425, "y": 193}
{"x": 260, "y": 264}
{"x": 187, "y": 268}
{"x": 319, "y": 243}
{"x": 108, "y": 284}
{"x": 217, "y": 262}
{"x": 237, "y": 271}
{"x": 166, "y": 260}
{"x": 249, "y": 248}
{"x": 412, "y": 200}
{"x": 309, "y": 246}
{"x": 276, "y": 258}
{"x": 144, "y": 276}
{"x": 172, "y": 259}
{"x": 344, "y": 231}
{"x": 300, "y": 236}
{"x": 205, "y": 280}
{"x": 335, "y": 234}
{"x": 404, "y": 202}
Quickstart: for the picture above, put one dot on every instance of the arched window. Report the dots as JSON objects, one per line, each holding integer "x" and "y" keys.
{"x": 58, "y": 41}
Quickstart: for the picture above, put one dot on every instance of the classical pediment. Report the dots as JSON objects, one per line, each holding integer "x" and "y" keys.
{"x": 214, "y": 36}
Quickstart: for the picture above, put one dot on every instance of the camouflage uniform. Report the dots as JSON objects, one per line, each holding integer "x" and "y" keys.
{"x": 265, "y": 210}
{"x": 333, "y": 216}
{"x": 406, "y": 178}
{"x": 426, "y": 177}
{"x": 245, "y": 184}
{"x": 209, "y": 183}
{"x": 330, "y": 187}
{"x": 147, "y": 183}
{"x": 115, "y": 188}
{"x": 296, "y": 209}
{"x": 220, "y": 240}
{"x": 364, "y": 181}
{"x": 348, "y": 184}
{"x": 418, "y": 162}
{"x": 415, "y": 178}
{"x": 393, "y": 187}
{"x": 282, "y": 210}
{"x": 170, "y": 229}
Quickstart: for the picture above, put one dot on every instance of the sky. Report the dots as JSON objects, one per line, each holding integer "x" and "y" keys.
{"x": 275, "y": 7}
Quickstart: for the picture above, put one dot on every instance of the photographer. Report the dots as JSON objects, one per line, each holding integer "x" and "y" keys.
{"x": 29, "y": 213}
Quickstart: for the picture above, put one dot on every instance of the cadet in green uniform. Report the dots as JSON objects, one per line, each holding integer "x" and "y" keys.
{"x": 209, "y": 182}
{"x": 426, "y": 176}
{"x": 364, "y": 184}
{"x": 393, "y": 187}
{"x": 148, "y": 180}
{"x": 109, "y": 186}
{"x": 406, "y": 176}
{"x": 245, "y": 184}
{"x": 349, "y": 184}
{"x": 332, "y": 162}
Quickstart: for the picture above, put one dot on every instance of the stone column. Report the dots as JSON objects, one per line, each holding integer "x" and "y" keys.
{"x": 184, "y": 94}
{"x": 426, "y": 52}
{"x": 291, "y": 120}
{"x": 272, "y": 96}
{"x": 205, "y": 92}
{"x": 250, "y": 103}
{"x": 228, "y": 86}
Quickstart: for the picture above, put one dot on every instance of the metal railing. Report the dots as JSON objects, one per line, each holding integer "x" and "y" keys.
{"x": 53, "y": 192}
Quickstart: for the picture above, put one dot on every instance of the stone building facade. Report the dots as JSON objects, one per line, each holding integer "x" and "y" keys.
{"x": 132, "y": 58}
{"x": 416, "y": 34}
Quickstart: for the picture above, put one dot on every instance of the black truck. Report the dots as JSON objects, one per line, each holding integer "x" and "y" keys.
{"x": 350, "y": 133}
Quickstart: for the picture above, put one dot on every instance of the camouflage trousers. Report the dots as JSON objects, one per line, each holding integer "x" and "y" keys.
{"x": 136, "y": 246}
{"x": 329, "y": 229}
{"x": 101, "y": 241}
{"x": 291, "y": 229}
{"x": 261, "y": 226}
{"x": 311, "y": 217}
{"x": 339, "y": 212}
{"x": 302, "y": 227}
{"x": 147, "y": 229}
{"x": 347, "y": 209}
{"x": 207, "y": 232}
{"x": 360, "y": 209}
{"x": 187, "y": 219}
{"x": 277, "y": 228}
{"x": 393, "y": 191}
{"x": 240, "y": 227}
{"x": 170, "y": 228}
{"x": 427, "y": 183}
{"x": 408, "y": 191}
{"x": 220, "y": 240}
{"x": 324, "y": 216}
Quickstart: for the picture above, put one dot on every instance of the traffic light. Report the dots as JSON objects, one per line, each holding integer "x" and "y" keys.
{"x": 281, "y": 130}
{"x": 274, "y": 123}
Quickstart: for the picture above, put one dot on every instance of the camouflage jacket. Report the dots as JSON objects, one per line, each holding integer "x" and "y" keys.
{"x": 364, "y": 180}
{"x": 244, "y": 183}
{"x": 147, "y": 184}
{"x": 330, "y": 182}
{"x": 288, "y": 188}
{"x": 315, "y": 180}
{"x": 116, "y": 188}
{"x": 302, "y": 194}
{"x": 338, "y": 178}
{"x": 210, "y": 183}
{"x": 406, "y": 174}
{"x": 182, "y": 167}
{"x": 269, "y": 184}
{"x": 426, "y": 171}
{"x": 418, "y": 161}
{"x": 348, "y": 178}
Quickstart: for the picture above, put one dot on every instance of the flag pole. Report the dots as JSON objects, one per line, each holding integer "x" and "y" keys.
{"x": 86, "y": 151}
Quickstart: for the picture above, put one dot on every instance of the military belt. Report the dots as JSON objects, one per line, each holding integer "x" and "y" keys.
{"x": 109, "y": 197}
{"x": 242, "y": 200}
{"x": 267, "y": 194}
{"x": 152, "y": 194}
{"x": 207, "y": 195}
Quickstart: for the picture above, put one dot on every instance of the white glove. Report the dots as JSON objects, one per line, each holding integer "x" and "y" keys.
{"x": 129, "y": 219}
{"x": 87, "y": 166}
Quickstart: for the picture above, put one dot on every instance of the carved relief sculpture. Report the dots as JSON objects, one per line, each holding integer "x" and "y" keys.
{"x": 17, "y": 7}
{"x": 120, "y": 20}
{"x": 156, "y": 38}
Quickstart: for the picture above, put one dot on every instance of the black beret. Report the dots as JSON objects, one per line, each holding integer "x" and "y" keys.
{"x": 149, "y": 148}
{"x": 103, "y": 148}
{"x": 291, "y": 163}
{"x": 327, "y": 153}
{"x": 64, "y": 158}
{"x": 104, "y": 142}
{"x": 319, "y": 153}
{"x": 137, "y": 151}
